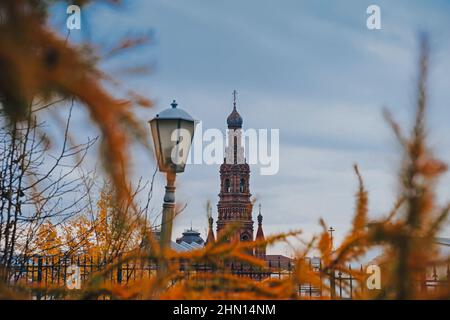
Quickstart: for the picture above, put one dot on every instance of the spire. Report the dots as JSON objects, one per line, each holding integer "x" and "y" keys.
{"x": 260, "y": 217}
{"x": 210, "y": 238}
{"x": 260, "y": 250}
{"x": 260, "y": 232}
{"x": 331, "y": 230}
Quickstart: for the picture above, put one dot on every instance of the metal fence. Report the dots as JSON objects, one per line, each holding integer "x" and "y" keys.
{"x": 57, "y": 272}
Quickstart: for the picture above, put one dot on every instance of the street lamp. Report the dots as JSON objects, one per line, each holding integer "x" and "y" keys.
{"x": 172, "y": 132}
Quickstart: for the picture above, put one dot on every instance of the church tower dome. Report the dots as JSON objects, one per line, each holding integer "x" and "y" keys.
{"x": 234, "y": 120}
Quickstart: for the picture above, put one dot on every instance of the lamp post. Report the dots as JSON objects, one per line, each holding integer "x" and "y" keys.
{"x": 172, "y": 132}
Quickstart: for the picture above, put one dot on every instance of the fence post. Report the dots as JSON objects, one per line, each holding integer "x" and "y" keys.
{"x": 332, "y": 284}
{"x": 279, "y": 267}
{"x": 119, "y": 270}
{"x": 39, "y": 278}
{"x": 351, "y": 281}
{"x": 448, "y": 273}
{"x": 362, "y": 282}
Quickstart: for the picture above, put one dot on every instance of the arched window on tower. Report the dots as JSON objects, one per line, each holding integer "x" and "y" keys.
{"x": 242, "y": 185}
{"x": 227, "y": 185}
{"x": 245, "y": 237}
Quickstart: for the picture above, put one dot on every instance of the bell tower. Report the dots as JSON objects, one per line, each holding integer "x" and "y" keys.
{"x": 234, "y": 205}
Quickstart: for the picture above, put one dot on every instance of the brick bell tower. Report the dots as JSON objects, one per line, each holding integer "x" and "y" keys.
{"x": 234, "y": 198}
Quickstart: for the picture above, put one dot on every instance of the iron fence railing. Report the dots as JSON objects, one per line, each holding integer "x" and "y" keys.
{"x": 57, "y": 271}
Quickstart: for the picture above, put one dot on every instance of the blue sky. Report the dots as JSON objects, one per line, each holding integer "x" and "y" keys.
{"x": 309, "y": 68}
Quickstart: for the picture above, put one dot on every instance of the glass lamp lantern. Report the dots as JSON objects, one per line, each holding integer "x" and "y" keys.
{"x": 172, "y": 132}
